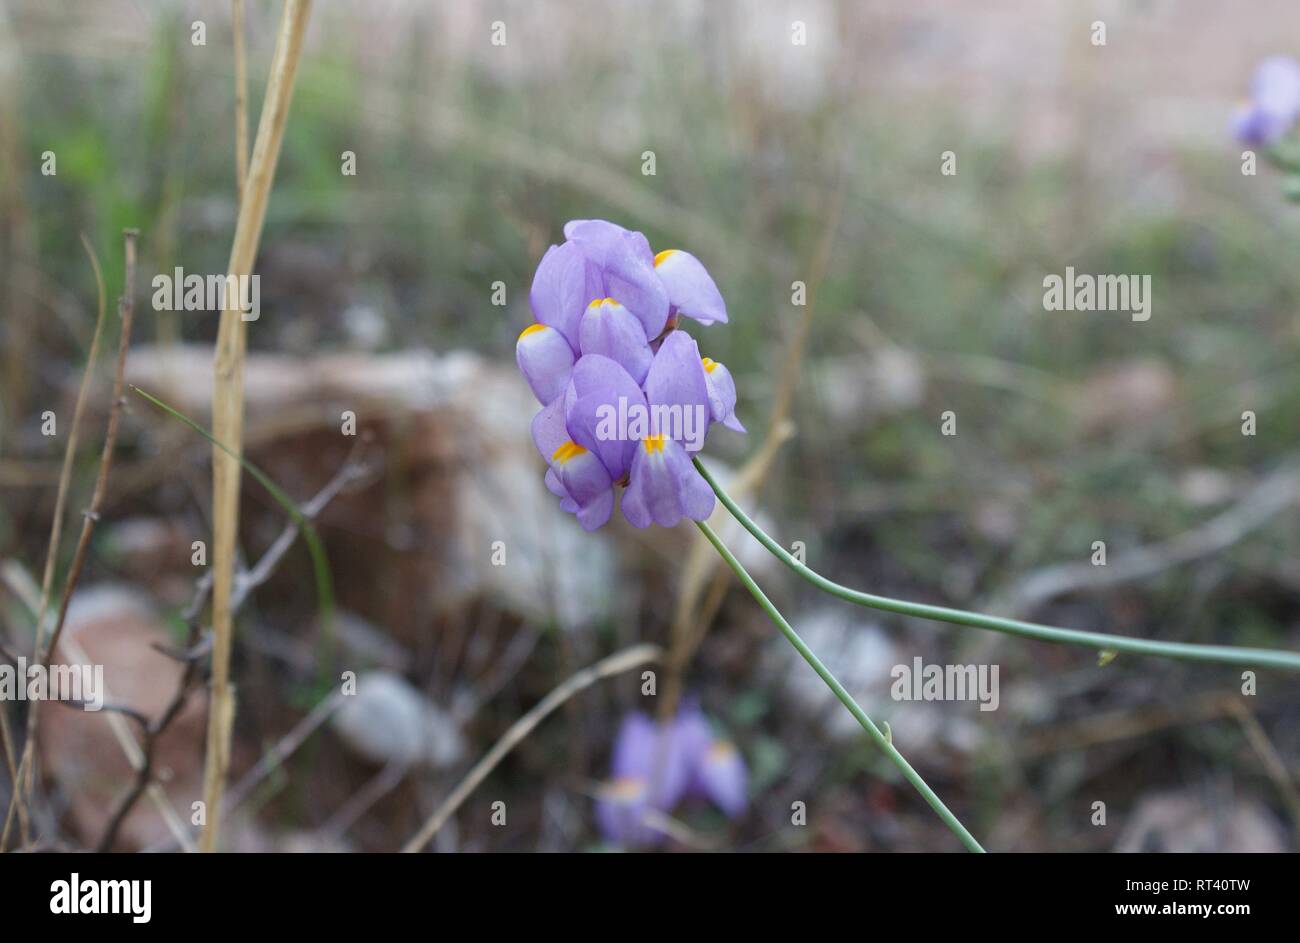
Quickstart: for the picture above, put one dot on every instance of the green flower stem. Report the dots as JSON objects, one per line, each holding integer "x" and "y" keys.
{"x": 911, "y": 775}
{"x": 1219, "y": 654}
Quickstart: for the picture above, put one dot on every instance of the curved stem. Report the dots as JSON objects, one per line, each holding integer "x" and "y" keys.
{"x": 911, "y": 775}
{"x": 1220, "y": 654}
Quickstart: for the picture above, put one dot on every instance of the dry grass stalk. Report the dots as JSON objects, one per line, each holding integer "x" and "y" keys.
{"x": 241, "y": 98}
{"x": 228, "y": 400}
{"x": 60, "y": 500}
{"x": 126, "y": 308}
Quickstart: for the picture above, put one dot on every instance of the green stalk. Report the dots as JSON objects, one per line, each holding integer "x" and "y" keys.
{"x": 1104, "y": 642}
{"x": 883, "y": 742}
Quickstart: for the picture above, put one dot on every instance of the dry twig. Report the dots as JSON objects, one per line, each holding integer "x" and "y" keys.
{"x": 126, "y": 308}
{"x": 228, "y": 401}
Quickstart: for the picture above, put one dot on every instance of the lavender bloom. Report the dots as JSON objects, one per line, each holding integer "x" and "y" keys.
{"x": 691, "y": 290}
{"x": 576, "y": 475}
{"x": 546, "y": 361}
{"x": 1274, "y": 102}
{"x": 606, "y": 341}
{"x": 722, "y": 777}
{"x": 717, "y": 771}
{"x": 623, "y": 265}
{"x": 655, "y": 767}
{"x": 649, "y": 772}
{"x": 664, "y": 485}
{"x": 599, "y": 383}
{"x": 722, "y": 394}
{"x": 562, "y": 286}
{"x": 677, "y": 381}
{"x": 609, "y": 329}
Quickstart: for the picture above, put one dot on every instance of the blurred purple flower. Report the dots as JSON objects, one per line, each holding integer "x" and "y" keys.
{"x": 1274, "y": 102}
{"x": 606, "y": 343}
{"x": 649, "y": 772}
{"x": 654, "y": 767}
{"x": 717, "y": 771}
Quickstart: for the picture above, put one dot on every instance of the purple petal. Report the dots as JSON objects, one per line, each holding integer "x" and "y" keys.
{"x": 561, "y": 289}
{"x": 608, "y": 328}
{"x": 695, "y": 733}
{"x": 677, "y": 378}
{"x": 655, "y": 754}
{"x": 664, "y": 486}
{"x": 546, "y": 361}
{"x": 626, "y": 266}
{"x": 1256, "y": 127}
{"x": 1275, "y": 86}
{"x": 1274, "y": 102}
{"x": 633, "y": 747}
{"x": 691, "y": 289}
{"x": 717, "y": 771}
{"x": 556, "y": 487}
{"x": 723, "y": 777}
{"x": 620, "y": 812}
{"x": 649, "y": 770}
{"x": 548, "y": 429}
{"x": 587, "y": 483}
{"x": 599, "y": 392}
{"x": 722, "y": 394}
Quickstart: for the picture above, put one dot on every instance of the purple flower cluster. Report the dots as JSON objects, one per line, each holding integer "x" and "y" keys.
{"x": 607, "y": 345}
{"x": 655, "y": 767}
{"x": 1274, "y": 104}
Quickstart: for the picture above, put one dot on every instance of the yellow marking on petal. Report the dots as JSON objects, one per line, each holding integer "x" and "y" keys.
{"x": 600, "y": 302}
{"x": 662, "y": 256}
{"x": 653, "y": 443}
{"x": 625, "y": 789}
{"x": 721, "y": 751}
{"x": 709, "y": 364}
{"x": 567, "y": 451}
{"x": 532, "y": 329}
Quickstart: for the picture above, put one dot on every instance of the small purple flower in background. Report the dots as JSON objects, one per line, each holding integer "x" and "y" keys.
{"x": 655, "y": 767}
{"x": 649, "y": 773}
{"x": 608, "y": 345}
{"x": 1274, "y": 104}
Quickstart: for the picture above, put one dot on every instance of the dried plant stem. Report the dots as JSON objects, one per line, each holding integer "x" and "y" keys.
{"x": 65, "y": 472}
{"x": 56, "y": 524}
{"x": 61, "y": 496}
{"x": 241, "y": 98}
{"x": 11, "y": 764}
{"x": 126, "y": 308}
{"x": 615, "y": 664}
{"x": 228, "y": 401}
